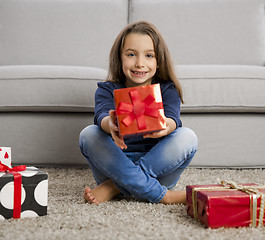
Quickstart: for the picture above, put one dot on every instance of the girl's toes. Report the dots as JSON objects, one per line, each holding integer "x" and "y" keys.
{"x": 92, "y": 199}
{"x": 87, "y": 190}
{"x": 86, "y": 194}
{"x": 95, "y": 201}
{"x": 89, "y": 197}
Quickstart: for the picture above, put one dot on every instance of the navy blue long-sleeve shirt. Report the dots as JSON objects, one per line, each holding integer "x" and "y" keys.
{"x": 104, "y": 101}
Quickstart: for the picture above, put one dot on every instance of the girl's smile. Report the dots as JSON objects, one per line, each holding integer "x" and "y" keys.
{"x": 138, "y": 60}
{"x": 139, "y": 73}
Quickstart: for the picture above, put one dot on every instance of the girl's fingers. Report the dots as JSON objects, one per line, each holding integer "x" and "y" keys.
{"x": 114, "y": 130}
{"x": 119, "y": 142}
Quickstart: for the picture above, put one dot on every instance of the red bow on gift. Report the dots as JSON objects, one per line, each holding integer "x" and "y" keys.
{"x": 17, "y": 186}
{"x": 138, "y": 109}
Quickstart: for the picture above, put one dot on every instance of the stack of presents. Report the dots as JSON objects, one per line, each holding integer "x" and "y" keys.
{"x": 23, "y": 190}
{"x": 139, "y": 110}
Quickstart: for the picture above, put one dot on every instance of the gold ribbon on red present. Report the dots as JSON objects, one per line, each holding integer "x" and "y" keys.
{"x": 139, "y": 109}
{"x": 17, "y": 186}
{"x": 252, "y": 190}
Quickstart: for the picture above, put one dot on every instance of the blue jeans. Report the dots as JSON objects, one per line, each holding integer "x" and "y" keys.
{"x": 146, "y": 176}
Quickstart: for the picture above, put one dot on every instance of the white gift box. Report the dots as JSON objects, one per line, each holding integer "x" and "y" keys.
{"x": 5, "y": 156}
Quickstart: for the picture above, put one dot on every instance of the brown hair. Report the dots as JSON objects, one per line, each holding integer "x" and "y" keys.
{"x": 165, "y": 71}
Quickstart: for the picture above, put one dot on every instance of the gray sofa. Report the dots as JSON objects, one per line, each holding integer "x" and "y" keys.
{"x": 53, "y": 53}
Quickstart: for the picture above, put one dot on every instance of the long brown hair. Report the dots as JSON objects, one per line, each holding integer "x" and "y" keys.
{"x": 165, "y": 71}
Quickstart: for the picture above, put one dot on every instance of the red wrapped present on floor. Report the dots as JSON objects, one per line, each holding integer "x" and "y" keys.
{"x": 227, "y": 205}
{"x": 139, "y": 110}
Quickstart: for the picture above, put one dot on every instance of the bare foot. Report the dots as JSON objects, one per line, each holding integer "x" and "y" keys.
{"x": 173, "y": 197}
{"x": 101, "y": 193}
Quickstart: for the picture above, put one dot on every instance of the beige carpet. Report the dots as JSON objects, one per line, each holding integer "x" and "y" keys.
{"x": 70, "y": 218}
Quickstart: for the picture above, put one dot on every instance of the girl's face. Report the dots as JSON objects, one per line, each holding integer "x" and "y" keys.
{"x": 138, "y": 60}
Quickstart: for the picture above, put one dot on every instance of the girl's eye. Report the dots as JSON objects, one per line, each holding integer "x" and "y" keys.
{"x": 131, "y": 55}
{"x": 149, "y": 55}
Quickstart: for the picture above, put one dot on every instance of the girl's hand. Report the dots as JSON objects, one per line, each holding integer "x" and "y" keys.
{"x": 114, "y": 131}
{"x": 170, "y": 127}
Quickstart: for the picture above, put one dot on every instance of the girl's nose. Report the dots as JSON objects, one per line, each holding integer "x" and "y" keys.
{"x": 139, "y": 62}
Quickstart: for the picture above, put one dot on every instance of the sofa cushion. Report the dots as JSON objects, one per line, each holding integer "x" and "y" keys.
{"x": 207, "y": 88}
{"x": 49, "y": 88}
{"x": 56, "y": 32}
{"x": 208, "y": 31}
{"x": 212, "y": 88}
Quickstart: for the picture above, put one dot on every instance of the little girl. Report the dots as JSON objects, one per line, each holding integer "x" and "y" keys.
{"x": 145, "y": 167}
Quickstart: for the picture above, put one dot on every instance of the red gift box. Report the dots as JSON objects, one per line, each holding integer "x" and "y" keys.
{"x": 227, "y": 205}
{"x": 139, "y": 110}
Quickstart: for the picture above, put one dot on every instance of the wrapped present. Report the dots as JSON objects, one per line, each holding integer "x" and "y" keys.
{"x": 139, "y": 110}
{"x": 5, "y": 156}
{"x": 23, "y": 192}
{"x": 227, "y": 204}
